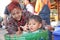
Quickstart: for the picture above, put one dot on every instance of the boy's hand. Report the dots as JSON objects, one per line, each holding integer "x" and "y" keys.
{"x": 25, "y": 28}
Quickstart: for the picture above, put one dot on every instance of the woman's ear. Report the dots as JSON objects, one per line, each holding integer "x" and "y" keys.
{"x": 40, "y": 25}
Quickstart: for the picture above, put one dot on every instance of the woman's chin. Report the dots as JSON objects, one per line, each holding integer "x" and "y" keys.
{"x": 18, "y": 19}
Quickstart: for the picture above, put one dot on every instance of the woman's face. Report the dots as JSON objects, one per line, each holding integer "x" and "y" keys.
{"x": 16, "y": 14}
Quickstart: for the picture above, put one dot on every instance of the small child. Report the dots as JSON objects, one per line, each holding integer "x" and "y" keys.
{"x": 36, "y": 30}
{"x": 35, "y": 23}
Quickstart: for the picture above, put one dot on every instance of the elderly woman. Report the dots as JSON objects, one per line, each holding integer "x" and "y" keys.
{"x": 17, "y": 18}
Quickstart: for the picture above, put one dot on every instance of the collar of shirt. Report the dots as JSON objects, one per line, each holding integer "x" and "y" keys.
{"x": 27, "y": 6}
{"x": 39, "y": 30}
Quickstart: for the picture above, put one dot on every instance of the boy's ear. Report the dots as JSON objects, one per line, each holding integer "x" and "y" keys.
{"x": 40, "y": 25}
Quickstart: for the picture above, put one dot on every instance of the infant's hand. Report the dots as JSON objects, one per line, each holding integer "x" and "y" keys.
{"x": 25, "y": 28}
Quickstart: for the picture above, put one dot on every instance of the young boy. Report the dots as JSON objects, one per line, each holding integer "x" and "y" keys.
{"x": 35, "y": 23}
{"x": 35, "y": 27}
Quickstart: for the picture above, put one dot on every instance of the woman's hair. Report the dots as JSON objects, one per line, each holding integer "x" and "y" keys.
{"x": 13, "y": 5}
{"x": 36, "y": 18}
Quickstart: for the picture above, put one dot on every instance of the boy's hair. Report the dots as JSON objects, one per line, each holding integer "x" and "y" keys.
{"x": 36, "y": 18}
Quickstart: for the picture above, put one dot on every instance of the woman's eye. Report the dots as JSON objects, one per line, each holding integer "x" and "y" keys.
{"x": 18, "y": 12}
{"x": 13, "y": 14}
{"x": 34, "y": 24}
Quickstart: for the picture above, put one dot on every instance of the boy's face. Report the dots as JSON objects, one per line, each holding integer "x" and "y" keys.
{"x": 34, "y": 25}
{"x": 16, "y": 14}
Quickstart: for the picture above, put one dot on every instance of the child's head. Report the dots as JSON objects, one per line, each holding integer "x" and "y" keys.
{"x": 27, "y": 2}
{"x": 35, "y": 22}
{"x": 15, "y": 10}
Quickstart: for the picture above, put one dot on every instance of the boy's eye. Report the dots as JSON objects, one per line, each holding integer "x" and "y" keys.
{"x": 34, "y": 24}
